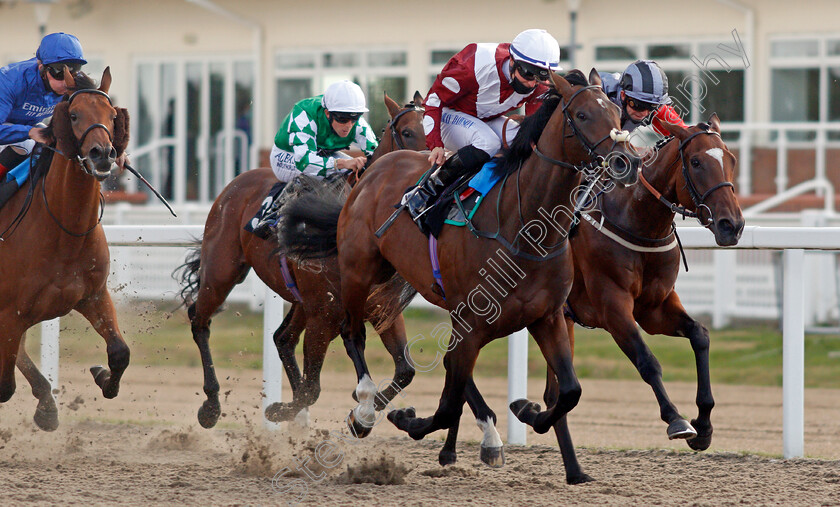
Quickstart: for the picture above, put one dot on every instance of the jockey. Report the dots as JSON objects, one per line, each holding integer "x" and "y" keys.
{"x": 476, "y": 87}
{"x": 29, "y": 90}
{"x": 310, "y": 137}
{"x": 641, "y": 92}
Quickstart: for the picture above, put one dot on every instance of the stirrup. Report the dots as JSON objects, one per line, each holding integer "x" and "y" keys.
{"x": 418, "y": 200}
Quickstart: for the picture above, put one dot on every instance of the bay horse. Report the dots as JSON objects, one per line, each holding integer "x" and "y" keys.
{"x": 626, "y": 265}
{"x": 54, "y": 257}
{"x": 629, "y": 280}
{"x": 226, "y": 253}
{"x": 531, "y": 218}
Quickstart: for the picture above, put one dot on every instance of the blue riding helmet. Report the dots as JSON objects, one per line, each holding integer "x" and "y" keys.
{"x": 643, "y": 80}
{"x": 60, "y": 47}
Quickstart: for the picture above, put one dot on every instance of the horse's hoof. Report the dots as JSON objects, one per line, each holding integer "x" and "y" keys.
{"x": 524, "y": 410}
{"x": 703, "y": 439}
{"x": 493, "y": 456}
{"x": 448, "y": 457}
{"x": 302, "y": 418}
{"x": 280, "y": 412}
{"x": 102, "y": 377}
{"x": 681, "y": 429}
{"x": 578, "y": 478}
{"x": 356, "y": 429}
{"x": 47, "y": 420}
{"x": 208, "y": 413}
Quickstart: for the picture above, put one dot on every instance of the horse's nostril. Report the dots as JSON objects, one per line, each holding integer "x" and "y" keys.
{"x": 725, "y": 226}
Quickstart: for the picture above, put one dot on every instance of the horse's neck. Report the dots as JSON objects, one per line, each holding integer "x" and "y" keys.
{"x": 72, "y": 196}
{"x": 636, "y": 209}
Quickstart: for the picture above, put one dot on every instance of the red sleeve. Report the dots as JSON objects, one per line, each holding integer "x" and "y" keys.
{"x": 535, "y": 100}
{"x": 455, "y": 80}
{"x": 667, "y": 114}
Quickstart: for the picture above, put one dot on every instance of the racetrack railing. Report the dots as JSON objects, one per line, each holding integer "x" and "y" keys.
{"x": 793, "y": 241}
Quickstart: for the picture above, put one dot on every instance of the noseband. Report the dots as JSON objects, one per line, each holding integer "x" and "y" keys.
{"x": 84, "y": 161}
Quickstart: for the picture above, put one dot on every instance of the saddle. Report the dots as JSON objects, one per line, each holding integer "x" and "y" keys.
{"x": 267, "y": 215}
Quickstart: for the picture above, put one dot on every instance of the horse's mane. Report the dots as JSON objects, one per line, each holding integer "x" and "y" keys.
{"x": 533, "y": 125}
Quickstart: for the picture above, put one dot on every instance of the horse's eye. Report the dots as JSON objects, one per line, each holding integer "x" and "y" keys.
{"x": 74, "y": 116}
{"x": 581, "y": 116}
{"x": 406, "y": 133}
{"x": 695, "y": 163}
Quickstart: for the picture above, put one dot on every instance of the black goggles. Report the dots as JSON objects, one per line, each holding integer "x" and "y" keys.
{"x": 638, "y": 105}
{"x": 531, "y": 72}
{"x": 345, "y": 117}
{"x": 56, "y": 70}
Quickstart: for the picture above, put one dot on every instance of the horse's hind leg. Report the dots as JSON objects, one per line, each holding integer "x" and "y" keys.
{"x": 393, "y": 337}
{"x": 100, "y": 312}
{"x": 46, "y": 415}
{"x": 492, "y": 449}
{"x": 286, "y": 338}
{"x": 671, "y": 319}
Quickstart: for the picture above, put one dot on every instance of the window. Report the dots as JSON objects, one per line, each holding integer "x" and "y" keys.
{"x": 702, "y": 78}
{"x": 804, "y": 74}
{"x": 302, "y": 74}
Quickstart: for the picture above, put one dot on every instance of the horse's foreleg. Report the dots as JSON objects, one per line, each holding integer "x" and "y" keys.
{"x": 100, "y": 312}
{"x": 8, "y": 357}
{"x": 671, "y": 319}
{"x": 393, "y": 337}
{"x": 286, "y": 338}
{"x": 459, "y": 363}
{"x": 46, "y": 415}
{"x": 574, "y": 473}
{"x": 551, "y": 335}
{"x": 619, "y": 322}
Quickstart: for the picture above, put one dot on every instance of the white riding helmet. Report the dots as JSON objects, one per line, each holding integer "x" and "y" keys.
{"x": 538, "y": 48}
{"x": 344, "y": 97}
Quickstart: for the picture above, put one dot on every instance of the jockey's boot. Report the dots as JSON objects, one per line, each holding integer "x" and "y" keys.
{"x": 9, "y": 159}
{"x": 269, "y": 218}
{"x": 465, "y": 161}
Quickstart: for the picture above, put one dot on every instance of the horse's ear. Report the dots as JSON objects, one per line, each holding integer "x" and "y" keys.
{"x": 594, "y": 77}
{"x": 121, "y": 130}
{"x": 69, "y": 80}
{"x": 673, "y": 128}
{"x": 393, "y": 107}
{"x": 105, "y": 84}
{"x": 714, "y": 122}
{"x": 561, "y": 85}
{"x": 418, "y": 99}
{"x": 63, "y": 131}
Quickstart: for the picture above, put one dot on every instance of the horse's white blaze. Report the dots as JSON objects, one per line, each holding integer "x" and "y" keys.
{"x": 717, "y": 154}
{"x": 601, "y": 101}
{"x": 491, "y": 436}
{"x": 365, "y": 413}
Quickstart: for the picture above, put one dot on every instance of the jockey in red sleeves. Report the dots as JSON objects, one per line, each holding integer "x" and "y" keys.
{"x": 641, "y": 92}
{"x": 476, "y": 87}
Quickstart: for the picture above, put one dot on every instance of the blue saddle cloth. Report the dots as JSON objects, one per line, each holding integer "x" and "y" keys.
{"x": 14, "y": 179}
{"x": 483, "y": 182}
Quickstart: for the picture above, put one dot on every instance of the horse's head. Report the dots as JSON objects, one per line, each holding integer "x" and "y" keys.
{"x": 404, "y": 131}
{"x": 87, "y": 127}
{"x": 595, "y": 124}
{"x": 708, "y": 170}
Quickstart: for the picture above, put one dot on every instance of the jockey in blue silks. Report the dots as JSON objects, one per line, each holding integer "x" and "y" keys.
{"x": 29, "y": 91}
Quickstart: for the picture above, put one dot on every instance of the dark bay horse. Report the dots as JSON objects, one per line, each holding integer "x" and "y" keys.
{"x": 54, "y": 257}
{"x": 574, "y": 128}
{"x": 227, "y": 252}
{"x": 619, "y": 282}
{"x": 629, "y": 276}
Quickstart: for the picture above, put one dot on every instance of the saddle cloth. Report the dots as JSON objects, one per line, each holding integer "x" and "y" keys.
{"x": 14, "y": 180}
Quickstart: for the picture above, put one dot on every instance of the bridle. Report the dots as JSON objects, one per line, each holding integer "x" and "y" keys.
{"x": 698, "y": 199}
{"x": 597, "y": 161}
{"x": 85, "y": 161}
{"x": 392, "y": 125}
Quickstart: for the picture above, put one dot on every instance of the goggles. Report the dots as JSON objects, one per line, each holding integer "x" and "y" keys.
{"x": 531, "y": 72}
{"x": 638, "y": 105}
{"x": 56, "y": 70}
{"x": 345, "y": 117}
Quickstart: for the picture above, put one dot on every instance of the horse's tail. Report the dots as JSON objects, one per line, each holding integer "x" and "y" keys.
{"x": 388, "y": 301}
{"x": 187, "y": 274}
{"x": 309, "y": 219}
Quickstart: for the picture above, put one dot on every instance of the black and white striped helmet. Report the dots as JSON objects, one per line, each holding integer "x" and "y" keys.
{"x": 643, "y": 80}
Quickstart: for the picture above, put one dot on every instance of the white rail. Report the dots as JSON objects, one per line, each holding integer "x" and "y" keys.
{"x": 793, "y": 240}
